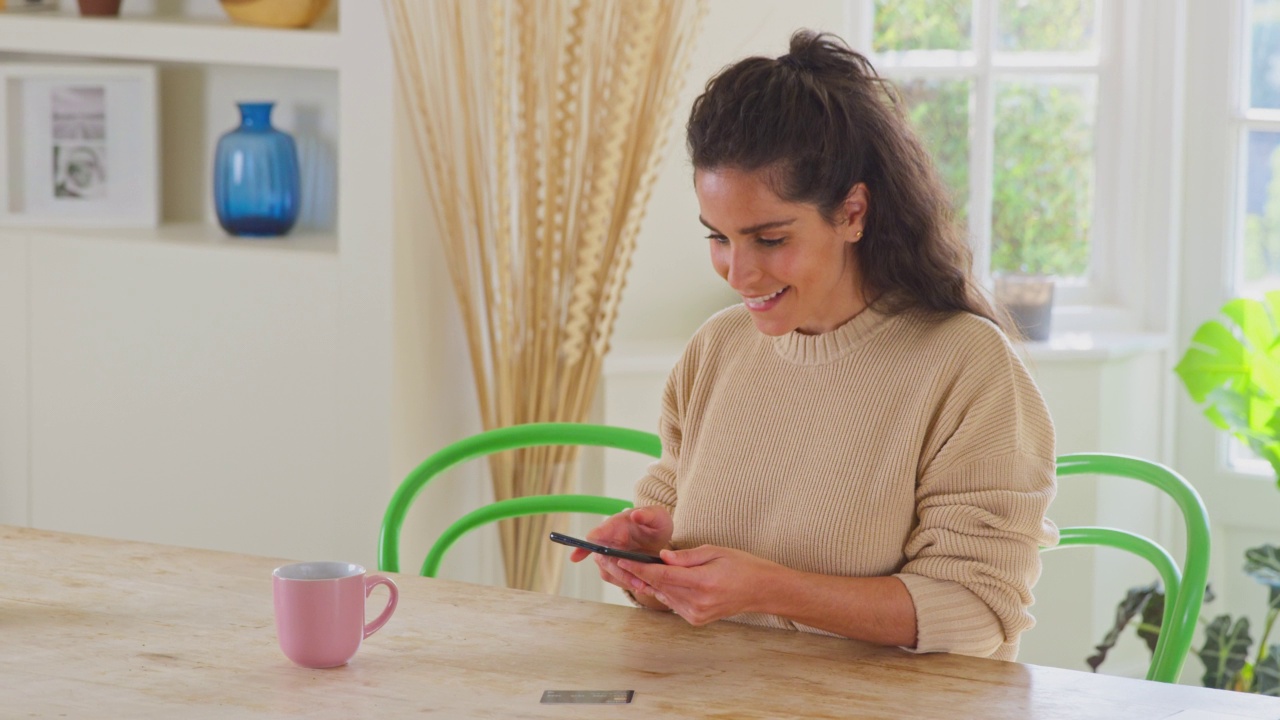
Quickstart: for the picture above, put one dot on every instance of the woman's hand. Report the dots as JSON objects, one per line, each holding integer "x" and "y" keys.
{"x": 645, "y": 530}
{"x": 707, "y": 583}
{"x": 710, "y": 583}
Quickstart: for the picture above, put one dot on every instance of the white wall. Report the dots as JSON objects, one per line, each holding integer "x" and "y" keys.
{"x": 435, "y": 400}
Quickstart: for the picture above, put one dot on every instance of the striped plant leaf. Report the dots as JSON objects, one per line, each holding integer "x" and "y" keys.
{"x": 1226, "y": 647}
{"x": 1262, "y": 563}
{"x": 1134, "y": 601}
{"x": 1152, "y": 619}
{"x": 1266, "y": 676}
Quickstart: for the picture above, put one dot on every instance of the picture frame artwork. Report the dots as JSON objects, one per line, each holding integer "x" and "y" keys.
{"x": 79, "y": 145}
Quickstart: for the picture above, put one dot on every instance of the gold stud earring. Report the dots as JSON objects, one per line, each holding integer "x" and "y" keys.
{"x": 858, "y": 236}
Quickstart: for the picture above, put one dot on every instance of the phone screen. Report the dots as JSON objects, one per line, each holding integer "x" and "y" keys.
{"x": 603, "y": 549}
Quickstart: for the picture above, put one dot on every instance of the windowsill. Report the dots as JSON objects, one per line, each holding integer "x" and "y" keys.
{"x": 1093, "y": 346}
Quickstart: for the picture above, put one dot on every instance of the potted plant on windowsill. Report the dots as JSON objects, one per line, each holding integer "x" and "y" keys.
{"x": 1024, "y": 283}
{"x": 1028, "y": 298}
{"x": 1232, "y": 369}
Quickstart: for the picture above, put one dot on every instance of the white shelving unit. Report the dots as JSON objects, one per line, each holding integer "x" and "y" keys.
{"x": 175, "y": 38}
{"x": 177, "y": 385}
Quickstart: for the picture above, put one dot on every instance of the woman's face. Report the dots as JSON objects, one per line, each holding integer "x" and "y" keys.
{"x": 793, "y": 269}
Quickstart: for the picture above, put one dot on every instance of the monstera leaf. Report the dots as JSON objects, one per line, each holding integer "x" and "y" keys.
{"x": 1233, "y": 368}
{"x": 1225, "y": 648}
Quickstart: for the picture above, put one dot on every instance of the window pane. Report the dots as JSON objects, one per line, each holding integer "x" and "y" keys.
{"x": 1260, "y": 256}
{"x": 922, "y": 25}
{"x": 1042, "y": 181}
{"x": 1264, "y": 65}
{"x": 1046, "y": 25}
{"x": 939, "y": 110}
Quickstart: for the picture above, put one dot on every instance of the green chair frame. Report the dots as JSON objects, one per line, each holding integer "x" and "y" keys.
{"x": 499, "y": 440}
{"x": 1184, "y": 587}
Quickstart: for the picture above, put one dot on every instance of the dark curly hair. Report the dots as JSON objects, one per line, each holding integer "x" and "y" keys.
{"x": 820, "y": 120}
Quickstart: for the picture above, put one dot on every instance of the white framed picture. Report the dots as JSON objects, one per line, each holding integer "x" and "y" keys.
{"x": 79, "y": 145}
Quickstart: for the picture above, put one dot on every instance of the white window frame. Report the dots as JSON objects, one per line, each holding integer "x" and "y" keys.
{"x": 1243, "y": 120}
{"x": 1219, "y": 119}
{"x": 1129, "y": 286}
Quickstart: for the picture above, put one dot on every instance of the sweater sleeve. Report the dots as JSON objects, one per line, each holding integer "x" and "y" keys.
{"x": 981, "y": 500}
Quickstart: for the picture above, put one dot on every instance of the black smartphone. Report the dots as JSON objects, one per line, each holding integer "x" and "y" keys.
{"x": 603, "y": 549}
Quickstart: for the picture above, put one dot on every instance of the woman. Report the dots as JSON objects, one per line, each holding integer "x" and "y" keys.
{"x": 855, "y": 449}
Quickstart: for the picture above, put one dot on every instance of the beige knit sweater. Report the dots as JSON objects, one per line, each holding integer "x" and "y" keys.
{"x": 910, "y": 445}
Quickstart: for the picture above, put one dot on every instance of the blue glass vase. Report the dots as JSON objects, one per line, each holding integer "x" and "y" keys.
{"x": 255, "y": 176}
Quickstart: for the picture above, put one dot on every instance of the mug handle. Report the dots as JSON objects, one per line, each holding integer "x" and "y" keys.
{"x": 371, "y": 582}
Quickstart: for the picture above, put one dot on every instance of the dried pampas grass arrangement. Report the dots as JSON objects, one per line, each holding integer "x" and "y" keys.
{"x": 539, "y": 125}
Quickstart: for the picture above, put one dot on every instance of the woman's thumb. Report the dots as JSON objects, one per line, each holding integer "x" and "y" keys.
{"x": 643, "y": 516}
{"x": 689, "y": 558}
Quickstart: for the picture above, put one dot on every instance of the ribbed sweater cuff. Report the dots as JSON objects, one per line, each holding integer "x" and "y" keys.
{"x": 950, "y": 618}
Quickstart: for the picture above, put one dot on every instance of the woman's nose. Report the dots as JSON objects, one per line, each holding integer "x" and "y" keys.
{"x": 742, "y": 267}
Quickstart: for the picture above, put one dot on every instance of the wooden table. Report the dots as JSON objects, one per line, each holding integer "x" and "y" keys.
{"x": 102, "y": 628}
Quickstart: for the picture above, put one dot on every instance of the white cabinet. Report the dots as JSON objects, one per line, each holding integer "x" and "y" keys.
{"x": 177, "y": 385}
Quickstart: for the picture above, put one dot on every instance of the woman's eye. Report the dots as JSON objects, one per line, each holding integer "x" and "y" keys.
{"x": 771, "y": 242}
{"x": 718, "y": 239}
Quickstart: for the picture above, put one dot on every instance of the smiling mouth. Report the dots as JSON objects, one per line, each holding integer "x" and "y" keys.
{"x": 764, "y": 302}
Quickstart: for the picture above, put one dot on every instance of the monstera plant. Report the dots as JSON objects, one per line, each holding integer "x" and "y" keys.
{"x": 1232, "y": 369}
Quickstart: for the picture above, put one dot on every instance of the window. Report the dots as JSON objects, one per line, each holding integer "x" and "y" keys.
{"x": 1011, "y": 98}
{"x": 1256, "y": 121}
{"x": 1255, "y": 127}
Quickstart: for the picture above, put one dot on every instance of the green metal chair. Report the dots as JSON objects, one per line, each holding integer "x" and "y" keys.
{"x": 493, "y": 441}
{"x": 1184, "y": 588}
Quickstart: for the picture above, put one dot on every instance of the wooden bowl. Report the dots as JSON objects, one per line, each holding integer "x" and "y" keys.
{"x": 275, "y": 13}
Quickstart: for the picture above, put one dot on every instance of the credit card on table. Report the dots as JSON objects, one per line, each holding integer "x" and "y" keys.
{"x": 588, "y": 697}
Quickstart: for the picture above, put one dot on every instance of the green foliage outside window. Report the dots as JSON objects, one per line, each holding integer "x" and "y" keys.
{"x": 1042, "y": 192}
{"x": 939, "y": 110}
{"x": 1060, "y": 26}
{"x": 922, "y": 25}
{"x": 1262, "y": 232}
{"x": 1042, "y": 186}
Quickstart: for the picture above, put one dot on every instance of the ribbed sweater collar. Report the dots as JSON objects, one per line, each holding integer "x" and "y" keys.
{"x": 802, "y": 349}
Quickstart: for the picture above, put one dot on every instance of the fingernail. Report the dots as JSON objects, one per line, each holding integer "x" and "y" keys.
{"x": 637, "y": 583}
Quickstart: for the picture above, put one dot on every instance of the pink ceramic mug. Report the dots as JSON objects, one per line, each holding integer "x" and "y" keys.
{"x": 320, "y": 610}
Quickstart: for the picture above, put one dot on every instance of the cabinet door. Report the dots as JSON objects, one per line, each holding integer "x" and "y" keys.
{"x": 14, "y": 470}
{"x": 185, "y": 394}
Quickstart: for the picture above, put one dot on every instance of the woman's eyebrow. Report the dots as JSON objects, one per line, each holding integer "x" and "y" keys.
{"x": 771, "y": 225}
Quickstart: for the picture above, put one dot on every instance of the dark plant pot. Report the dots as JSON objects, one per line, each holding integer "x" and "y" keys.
{"x": 1029, "y": 301}
{"x": 99, "y": 8}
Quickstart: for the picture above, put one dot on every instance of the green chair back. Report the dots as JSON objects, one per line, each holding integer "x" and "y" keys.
{"x": 493, "y": 441}
{"x": 1185, "y": 587}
